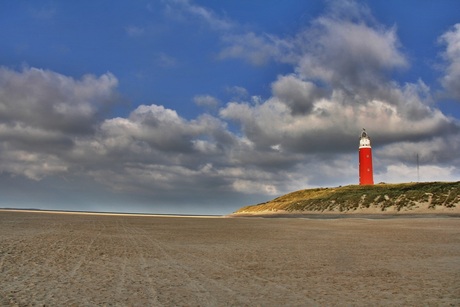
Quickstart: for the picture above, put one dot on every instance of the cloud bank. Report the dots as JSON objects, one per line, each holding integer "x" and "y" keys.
{"x": 451, "y": 78}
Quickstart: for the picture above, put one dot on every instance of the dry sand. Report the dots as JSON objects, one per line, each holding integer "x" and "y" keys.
{"x": 93, "y": 260}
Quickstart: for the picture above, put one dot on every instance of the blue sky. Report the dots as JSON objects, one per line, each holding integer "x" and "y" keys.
{"x": 206, "y": 106}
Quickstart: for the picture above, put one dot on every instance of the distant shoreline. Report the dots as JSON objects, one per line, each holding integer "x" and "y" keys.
{"x": 316, "y": 216}
{"x": 107, "y": 213}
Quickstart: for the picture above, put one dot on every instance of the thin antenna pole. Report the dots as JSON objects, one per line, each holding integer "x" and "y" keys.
{"x": 418, "y": 169}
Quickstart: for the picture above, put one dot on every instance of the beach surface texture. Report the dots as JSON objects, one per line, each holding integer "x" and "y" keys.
{"x": 53, "y": 259}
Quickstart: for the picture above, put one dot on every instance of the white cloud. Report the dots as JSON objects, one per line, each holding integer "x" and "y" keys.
{"x": 256, "y": 49}
{"x": 340, "y": 48}
{"x": 399, "y": 172}
{"x": 346, "y": 41}
{"x": 438, "y": 149}
{"x": 299, "y": 95}
{"x": 180, "y": 8}
{"x": 206, "y": 101}
{"x": 238, "y": 92}
{"x": 251, "y": 187}
{"x": 42, "y": 113}
{"x": 48, "y": 100}
{"x": 451, "y": 79}
{"x": 154, "y": 126}
{"x": 332, "y": 124}
{"x": 32, "y": 165}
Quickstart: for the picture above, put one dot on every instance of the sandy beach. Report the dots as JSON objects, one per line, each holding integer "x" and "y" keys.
{"x": 97, "y": 260}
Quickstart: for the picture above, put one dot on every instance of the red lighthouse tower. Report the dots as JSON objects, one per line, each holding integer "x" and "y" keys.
{"x": 366, "y": 174}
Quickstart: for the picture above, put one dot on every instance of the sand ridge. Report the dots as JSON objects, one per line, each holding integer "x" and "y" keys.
{"x": 90, "y": 260}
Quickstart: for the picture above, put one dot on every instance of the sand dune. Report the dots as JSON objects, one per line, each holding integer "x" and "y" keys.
{"x": 88, "y": 260}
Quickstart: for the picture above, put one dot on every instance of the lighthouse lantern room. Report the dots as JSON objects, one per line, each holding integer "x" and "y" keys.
{"x": 366, "y": 175}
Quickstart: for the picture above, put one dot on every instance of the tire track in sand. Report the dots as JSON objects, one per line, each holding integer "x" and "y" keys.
{"x": 206, "y": 296}
{"x": 131, "y": 238}
{"x": 175, "y": 268}
{"x": 7, "y": 251}
{"x": 238, "y": 272}
{"x": 84, "y": 255}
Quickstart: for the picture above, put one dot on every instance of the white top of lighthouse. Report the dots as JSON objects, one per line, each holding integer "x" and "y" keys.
{"x": 364, "y": 141}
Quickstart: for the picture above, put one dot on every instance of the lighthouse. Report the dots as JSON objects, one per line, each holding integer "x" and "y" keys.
{"x": 366, "y": 175}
